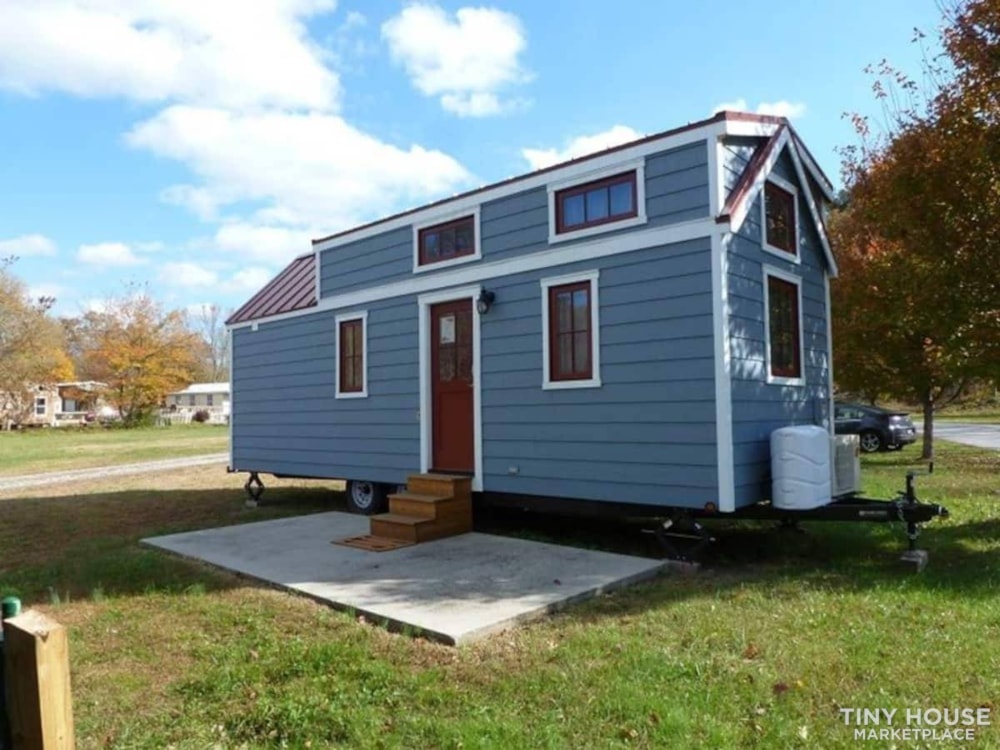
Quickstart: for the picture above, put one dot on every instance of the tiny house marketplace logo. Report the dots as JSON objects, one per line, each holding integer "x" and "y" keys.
{"x": 916, "y": 724}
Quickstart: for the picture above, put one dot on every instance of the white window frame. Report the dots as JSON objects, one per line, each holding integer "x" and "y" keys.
{"x": 595, "y": 331}
{"x": 554, "y": 188}
{"x": 347, "y": 318}
{"x": 769, "y": 271}
{"x": 774, "y": 250}
{"x": 41, "y": 401}
{"x": 446, "y": 218}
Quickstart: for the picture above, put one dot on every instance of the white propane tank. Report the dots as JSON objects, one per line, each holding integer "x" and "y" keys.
{"x": 800, "y": 467}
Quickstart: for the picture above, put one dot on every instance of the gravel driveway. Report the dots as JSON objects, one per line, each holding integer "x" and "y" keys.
{"x": 57, "y": 477}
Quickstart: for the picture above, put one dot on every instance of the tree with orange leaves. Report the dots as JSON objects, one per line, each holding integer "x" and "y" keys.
{"x": 917, "y": 307}
{"x": 31, "y": 348}
{"x": 140, "y": 351}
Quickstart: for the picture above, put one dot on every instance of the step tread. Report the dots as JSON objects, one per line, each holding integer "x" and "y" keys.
{"x": 402, "y": 519}
{"x": 418, "y": 497}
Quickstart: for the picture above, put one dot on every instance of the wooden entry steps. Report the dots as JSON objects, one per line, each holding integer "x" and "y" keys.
{"x": 433, "y": 506}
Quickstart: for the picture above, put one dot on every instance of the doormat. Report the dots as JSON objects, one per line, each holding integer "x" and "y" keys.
{"x": 371, "y": 543}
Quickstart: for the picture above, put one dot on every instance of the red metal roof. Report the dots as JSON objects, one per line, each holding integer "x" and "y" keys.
{"x": 292, "y": 289}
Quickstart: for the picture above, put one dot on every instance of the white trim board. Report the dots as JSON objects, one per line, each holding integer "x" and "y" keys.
{"x": 481, "y": 272}
{"x": 424, "y": 303}
{"x": 723, "y": 374}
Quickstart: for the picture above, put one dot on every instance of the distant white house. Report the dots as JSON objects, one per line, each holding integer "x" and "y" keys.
{"x": 61, "y": 404}
{"x": 210, "y": 397}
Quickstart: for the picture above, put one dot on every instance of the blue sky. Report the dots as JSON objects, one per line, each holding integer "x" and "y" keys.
{"x": 198, "y": 145}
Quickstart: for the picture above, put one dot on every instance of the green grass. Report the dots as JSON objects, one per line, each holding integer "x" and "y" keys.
{"x": 57, "y": 449}
{"x": 759, "y": 650}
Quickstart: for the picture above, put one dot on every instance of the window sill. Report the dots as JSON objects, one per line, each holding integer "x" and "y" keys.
{"x": 447, "y": 263}
{"x": 782, "y": 380}
{"x": 564, "y": 385}
{"x": 352, "y": 394}
{"x": 783, "y": 254}
{"x": 611, "y": 226}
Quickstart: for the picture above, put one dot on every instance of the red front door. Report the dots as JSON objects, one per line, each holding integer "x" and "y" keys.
{"x": 451, "y": 386}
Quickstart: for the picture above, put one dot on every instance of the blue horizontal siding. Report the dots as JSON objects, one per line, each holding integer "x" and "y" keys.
{"x": 647, "y": 435}
{"x": 676, "y": 183}
{"x": 286, "y": 418}
{"x": 760, "y": 407}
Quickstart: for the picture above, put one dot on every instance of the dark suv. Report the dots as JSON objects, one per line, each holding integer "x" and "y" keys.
{"x": 877, "y": 429}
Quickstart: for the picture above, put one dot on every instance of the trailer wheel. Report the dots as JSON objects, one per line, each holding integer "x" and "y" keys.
{"x": 870, "y": 441}
{"x": 367, "y": 498}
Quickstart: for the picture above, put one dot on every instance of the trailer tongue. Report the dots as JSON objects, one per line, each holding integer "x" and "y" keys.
{"x": 683, "y": 538}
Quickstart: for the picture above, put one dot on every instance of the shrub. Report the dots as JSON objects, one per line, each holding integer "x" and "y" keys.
{"x": 201, "y": 415}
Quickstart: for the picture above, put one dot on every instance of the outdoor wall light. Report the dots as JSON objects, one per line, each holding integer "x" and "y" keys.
{"x": 485, "y": 301}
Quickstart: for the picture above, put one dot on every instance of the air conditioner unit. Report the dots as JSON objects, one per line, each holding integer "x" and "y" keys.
{"x": 846, "y": 465}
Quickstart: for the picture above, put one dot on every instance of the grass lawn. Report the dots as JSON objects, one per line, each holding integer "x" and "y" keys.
{"x": 759, "y": 650}
{"x": 58, "y": 449}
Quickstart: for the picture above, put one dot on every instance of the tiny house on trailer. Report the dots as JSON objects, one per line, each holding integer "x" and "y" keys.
{"x": 628, "y": 327}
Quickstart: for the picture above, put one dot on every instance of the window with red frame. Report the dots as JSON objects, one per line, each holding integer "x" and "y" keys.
{"x": 452, "y": 239}
{"x": 783, "y": 325}
{"x": 779, "y": 218}
{"x": 595, "y": 203}
{"x": 570, "y": 332}
{"x": 352, "y": 353}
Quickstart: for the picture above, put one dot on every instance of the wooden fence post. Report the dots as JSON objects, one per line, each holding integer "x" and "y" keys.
{"x": 40, "y": 709}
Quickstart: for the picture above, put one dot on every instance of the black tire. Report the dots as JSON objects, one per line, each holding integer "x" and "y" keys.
{"x": 870, "y": 441}
{"x": 366, "y": 498}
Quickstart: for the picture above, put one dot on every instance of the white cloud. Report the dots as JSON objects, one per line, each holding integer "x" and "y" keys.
{"x": 217, "y": 52}
{"x": 580, "y": 146}
{"x": 247, "y": 280}
{"x": 308, "y": 170}
{"x": 27, "y": 245}
{"x": 268, "y": 244}
{"x": 108, "y": 254}
{"x": 782, "y": 108}
{"x": 466, "y": 60}
{"x": 187, "y": 274}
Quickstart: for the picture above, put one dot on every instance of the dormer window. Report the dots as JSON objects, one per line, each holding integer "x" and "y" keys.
{"x": 448, "y": 241}
{"x": 595, "y": 203}
{"x": 780, "y": 218}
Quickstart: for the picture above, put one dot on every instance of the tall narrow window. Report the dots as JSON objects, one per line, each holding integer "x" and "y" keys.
{"x": 780, "y": 231}
{"x": 594, "y": 203}
{"x": 571, "y": 334}
{"x": 40, "y": 405}
{"x": 784, "y": 334}
{"x": 351, "y": 351}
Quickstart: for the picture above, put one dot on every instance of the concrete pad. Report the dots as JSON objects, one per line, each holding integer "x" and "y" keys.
{"x": 454, "y": 590}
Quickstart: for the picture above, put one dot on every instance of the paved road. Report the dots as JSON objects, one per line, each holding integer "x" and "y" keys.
{"x": 57, "y": 477}
{"x": 969, "y": 433}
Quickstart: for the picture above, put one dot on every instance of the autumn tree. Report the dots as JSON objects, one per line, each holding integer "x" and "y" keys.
{"x": 31, "y": 348}
{"x": 917, "y": 306}
{"x": 139, "y": 350}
